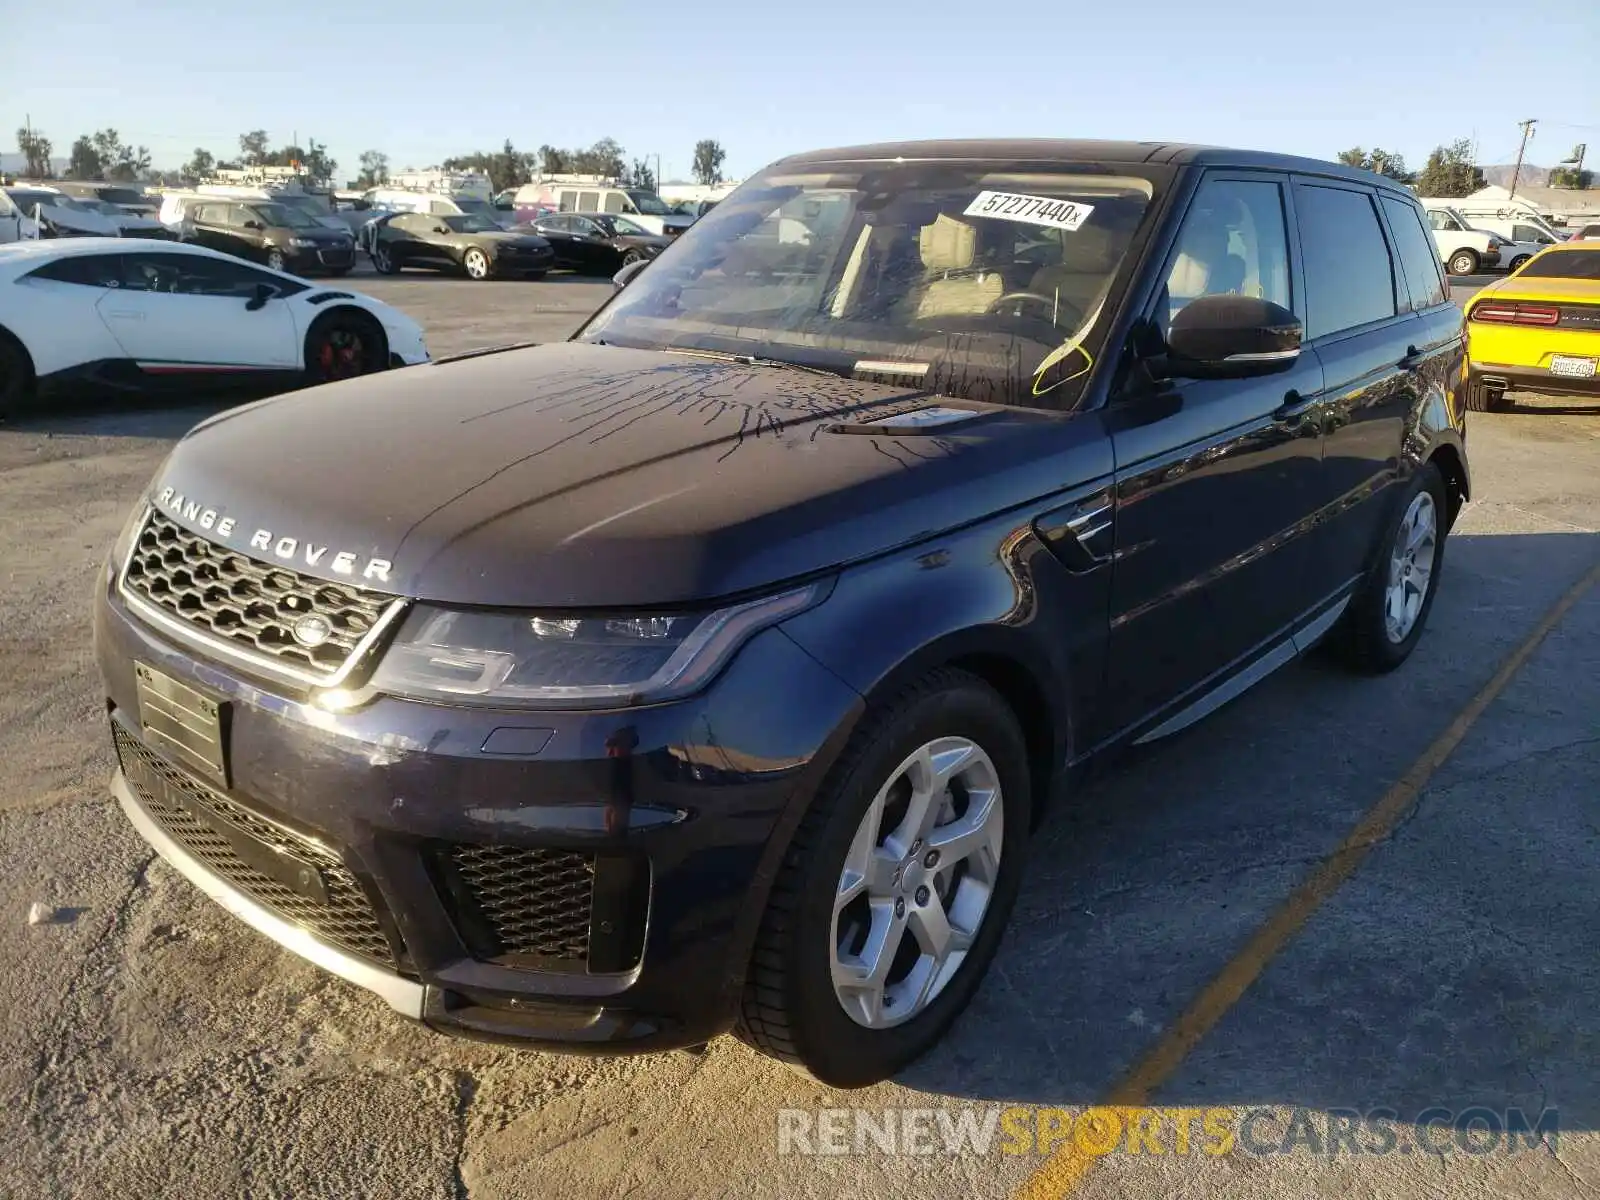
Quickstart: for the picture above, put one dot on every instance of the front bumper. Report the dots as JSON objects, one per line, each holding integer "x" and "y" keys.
{"x": 682, "y": 810}
{"x": 322, "y": 258}
{"x": 509, "y": 262}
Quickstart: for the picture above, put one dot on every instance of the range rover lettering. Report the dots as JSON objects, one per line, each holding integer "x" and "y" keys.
{"x": 711, "y": 670}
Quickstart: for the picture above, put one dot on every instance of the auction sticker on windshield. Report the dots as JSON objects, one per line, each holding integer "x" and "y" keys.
{"x": 1032, "y": 210}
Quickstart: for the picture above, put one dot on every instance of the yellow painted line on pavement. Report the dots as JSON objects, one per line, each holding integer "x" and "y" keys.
{"x": 1065, "y": 1169}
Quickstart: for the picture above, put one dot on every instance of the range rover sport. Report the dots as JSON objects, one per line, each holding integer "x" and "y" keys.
{"x": 710, "y": 670}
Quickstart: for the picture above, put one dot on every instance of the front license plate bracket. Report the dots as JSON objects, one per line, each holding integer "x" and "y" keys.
{"x": 183, "y": 724}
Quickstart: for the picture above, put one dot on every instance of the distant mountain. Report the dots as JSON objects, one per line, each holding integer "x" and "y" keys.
{"x": 16, "y": 164}
{"x": 1531, "y": 176}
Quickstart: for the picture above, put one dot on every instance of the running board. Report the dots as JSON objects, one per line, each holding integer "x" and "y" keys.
{"x": 1234, "y": 686}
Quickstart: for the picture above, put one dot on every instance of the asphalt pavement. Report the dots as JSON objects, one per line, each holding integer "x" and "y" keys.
{"x": 152, "y": 1045}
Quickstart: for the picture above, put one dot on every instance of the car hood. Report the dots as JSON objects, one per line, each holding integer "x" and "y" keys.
{"x": 593, "y": 476}
{"x": 316, "y": 233}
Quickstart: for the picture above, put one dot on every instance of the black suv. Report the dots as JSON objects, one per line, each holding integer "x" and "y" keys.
{"x": 277, "y": 235}
{"x": 711, "y": 669}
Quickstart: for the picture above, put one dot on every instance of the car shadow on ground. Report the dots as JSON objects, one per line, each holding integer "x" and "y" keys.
{"x": 1456, "y": 968}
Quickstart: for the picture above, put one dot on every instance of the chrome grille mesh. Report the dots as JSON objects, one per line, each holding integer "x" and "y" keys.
{"x": 535, "y": 902}
{"x": 247, "y": 602}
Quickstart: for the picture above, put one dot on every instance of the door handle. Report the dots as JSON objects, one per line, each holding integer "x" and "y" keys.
{"x": 1412, "y": 360}
{"x": 1294, "y": 406}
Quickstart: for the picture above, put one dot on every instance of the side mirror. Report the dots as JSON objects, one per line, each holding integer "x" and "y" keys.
{"x": 440, "y": 229}
{"x": 628, "y": 274}
{"x": 1230, "y": 337}
{"x": 263, "y": 293}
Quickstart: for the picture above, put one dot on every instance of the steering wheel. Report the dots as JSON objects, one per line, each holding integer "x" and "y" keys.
{"x": 1056, "y": 309}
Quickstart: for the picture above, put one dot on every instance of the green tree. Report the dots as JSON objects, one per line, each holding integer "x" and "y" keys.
{"x": 374, "y": 169}
{"x": 200, "y": 166}
{"x": 708, "y": 157}
{"x": 85, "y": 162}
{"x": 35, "y": 148}
{"x": 1570, "y": 177}
{"x": 552, "y": 161}
{"x": 1449, "y": 172}
{"x": 641, "y": 176}
{"x": 254, "y": 148}
{"x": 1379, "y": 161}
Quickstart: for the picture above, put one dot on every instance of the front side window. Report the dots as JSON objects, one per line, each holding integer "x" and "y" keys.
{"x": 412, "y": 223}
{"x": 987, "y": 284}
{"x": 88, "y": 270}
{"x": 470, "y": 223}
{"x": 616, "y": 202}
{"x": 198, "y": 275}
{"x": 1441, "y": 220}
{"x": 1349, "y": 278}
{"x": 1233, "y": 242}
{"x": 649, "y": 203}
{"x": 626, "y": 227}
{"x": 1418, "y": 255}
{"x": 1528, "y": 233}
{"x": 281, "y": 216}
{"x": 588, "y": 201}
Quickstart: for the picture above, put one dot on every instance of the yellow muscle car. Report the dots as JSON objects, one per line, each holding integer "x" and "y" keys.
{"x": 1538, "y": 329}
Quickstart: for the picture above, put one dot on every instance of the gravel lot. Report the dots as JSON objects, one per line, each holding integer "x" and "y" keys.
{"x": 150, "y": 1045}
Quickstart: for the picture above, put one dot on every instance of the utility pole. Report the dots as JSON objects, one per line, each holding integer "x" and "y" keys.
{"x": 1516, "y": 173}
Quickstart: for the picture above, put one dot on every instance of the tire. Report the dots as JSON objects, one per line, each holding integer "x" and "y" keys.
{"x": 476, "y": 264}
{"x": 344, "y": 344}
{"x": 1365, "y": 640}
{"x": 791, "y": 1009}
{"x": 1518, "y": 261}
{"x": 17, "y": 378}
{"x": 631, "y": 257}
{"x": 1464, "y": 262}
{"x": 1481, "y": 398}
{"x": 276, "y": 261}
{"x": 383, "y": 262}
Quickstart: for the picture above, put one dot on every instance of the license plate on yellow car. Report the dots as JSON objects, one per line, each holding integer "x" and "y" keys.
{"x": 1571, "y": 366}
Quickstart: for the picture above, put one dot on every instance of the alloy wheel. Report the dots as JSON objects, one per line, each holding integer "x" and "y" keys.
{"x": 476, "y": 263}
{"x": 917, "y": 882}
{"x": 343, "y": 354}
{"x": 1410, "y": 567}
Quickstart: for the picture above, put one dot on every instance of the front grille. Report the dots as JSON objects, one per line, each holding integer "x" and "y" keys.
{"x": 347, "y": 920}
{"x": 337, "y": 258}
{"x": 523, "y": 902}
{"x": 252, "y": 604}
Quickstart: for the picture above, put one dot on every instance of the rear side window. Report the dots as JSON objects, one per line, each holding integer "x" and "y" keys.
{"x": 90, "y": 270}
{"x": 616, "y": 202}
{"x": 588, "y": 201}
{"x": 1418, "y": 255}
{"x": 1349, "y": 278}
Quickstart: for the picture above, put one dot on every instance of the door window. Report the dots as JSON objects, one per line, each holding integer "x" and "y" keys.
{"x": 1349, "y": 277}
{"x": 1233, "y": 242}
{"x": 588, "y": 201}
{"x": 238, "y": 214}
{"x": 1418, "y": 255}
{"x": 616, "y": 202}
{"x": 585, "y": 228}
{"x": 198, "y": 275}
{"x": 413, "y": 224}
{"x": 557, "y": 224}
{"x": 1443, "y": 221}
{"x": 211, "y": 214}
{"x": 568, "y": 202}
{"x": 1528, "y": 233}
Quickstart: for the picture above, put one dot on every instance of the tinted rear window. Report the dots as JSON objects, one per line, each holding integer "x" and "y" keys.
{"x": 1349, "y": 279}
{"x": 1419, "y": 254}
{"x": 1563, "y": 264}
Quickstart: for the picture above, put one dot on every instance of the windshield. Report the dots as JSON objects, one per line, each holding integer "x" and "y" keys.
{"x": 306, "y": 205}
{"x": 105, "y": 207}
{"x": 123, "y": 196}
{"x": 480, "y": 208}
{"x": 975, "y": 283}
{"x": 471, "y": 223}
{"x": 285, "y": 217}
{"x": 650, "y": 204}
{"x": 621, "y": 226}
{"x": 1563, "y": 264}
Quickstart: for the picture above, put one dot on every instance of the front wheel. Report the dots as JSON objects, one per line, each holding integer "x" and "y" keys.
{"x": 343, "y": 345}
{"x": 383, "y": 261}
{"x": 1386, "y": 616}
{"x": 895, "y": 891}
{"x": 1464, "y": 262}
{"x": 476, "y": 264}
{"x": 16, "y": 377}
{"x": 631, "y": 257}
{"x": 1481, "y": 398}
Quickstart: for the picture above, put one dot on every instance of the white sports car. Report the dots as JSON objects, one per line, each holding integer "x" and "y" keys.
{"x": 133, "y": 315}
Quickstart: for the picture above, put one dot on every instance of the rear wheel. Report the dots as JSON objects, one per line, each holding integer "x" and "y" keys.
{"x": 1464, "y": 262}
{"x": 343, "y": 345}
{"x": 1482, "y": 398}
{"x": 1385, "y": 619}
{"x": 1518, "y": 261}
{"x": 383, "y": 261}
{"x": 893, "y": 896}
{"x": 16, "y": 377}
{"x": 631, "y": 257}
{"x": 475, "y": 263}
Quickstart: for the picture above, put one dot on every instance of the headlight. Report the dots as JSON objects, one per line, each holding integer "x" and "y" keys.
{"x": 572, "y": 661}
{"x": 302, "y": 243}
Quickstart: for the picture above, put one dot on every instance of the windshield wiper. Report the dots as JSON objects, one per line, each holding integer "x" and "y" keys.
{"x": 751, "y": 360}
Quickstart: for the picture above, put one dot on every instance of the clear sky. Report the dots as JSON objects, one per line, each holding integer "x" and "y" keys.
{"x": 423, "y": 80}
